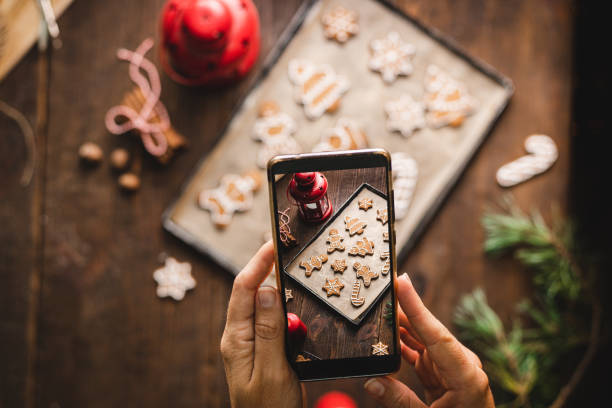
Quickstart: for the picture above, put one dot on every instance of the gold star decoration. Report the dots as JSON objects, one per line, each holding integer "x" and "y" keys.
{"x": 339, "y": 266}
{"x": 288, "y": 295}
{"x": 333, "y": 286}
{"x": 380, "y": 349}
{"x": 382, "y": 216}
{"x": 365, "y": 204}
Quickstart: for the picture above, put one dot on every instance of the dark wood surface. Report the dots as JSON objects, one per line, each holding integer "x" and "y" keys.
{"x": 331, "y": 335}
{"x": 81, "y": 325}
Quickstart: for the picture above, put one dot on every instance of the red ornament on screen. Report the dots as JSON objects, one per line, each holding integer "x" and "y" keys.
{"x": 335, "y": 399}
{"x": 309, "y": 190}
{"x": 296, "y": 328}
{"x": 209, "y": 42}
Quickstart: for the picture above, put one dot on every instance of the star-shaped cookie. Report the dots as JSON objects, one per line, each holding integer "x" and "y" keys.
{"x": 288, "y": 295}
{"x": 339, "y": 266}
{"x": 333, "y": 286}
{"x": 174, "y": 279}
{"x": 382, "y": 216}
{"x": 380, "y": 349}
{"x": 365, "y": 204}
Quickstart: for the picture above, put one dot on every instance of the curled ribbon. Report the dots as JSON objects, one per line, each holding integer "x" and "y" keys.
{"x": 151, "y": 134}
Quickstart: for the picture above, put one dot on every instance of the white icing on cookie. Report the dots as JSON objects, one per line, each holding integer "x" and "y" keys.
{"x": 275, "y": 132}
{"x": 542, "y": 155}
{"x": 405, "y": 115}
{"x": 234, "y": 194}
{"x": 447, "y": 100}
{"x": 391, "y": 57}
{"x": 405, "y": 174}
{"x": 346, "y": 135}
{"x": 340, "y": 24}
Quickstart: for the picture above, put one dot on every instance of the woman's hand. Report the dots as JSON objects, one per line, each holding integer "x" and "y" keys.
{"x": 451, "y": 374}
{"x": 253, "y": 342}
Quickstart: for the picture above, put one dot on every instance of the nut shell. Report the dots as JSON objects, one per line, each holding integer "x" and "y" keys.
{"x": 129, "y": 182}
{"x": 91, "y": 153}
{"x": 119, "y": 159}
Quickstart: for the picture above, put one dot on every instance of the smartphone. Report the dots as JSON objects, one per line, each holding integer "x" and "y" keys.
{"x": 333, "y": 222}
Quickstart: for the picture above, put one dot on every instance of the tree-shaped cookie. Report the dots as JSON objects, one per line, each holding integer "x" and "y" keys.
{"x": 362, "y": 248}
{"x": 364, "y": 272}
{"x": 335, "y": 241}
{"x": 447, "y": 100}
{"x": 315, "y": 262}
{"x": 354, "y": 225}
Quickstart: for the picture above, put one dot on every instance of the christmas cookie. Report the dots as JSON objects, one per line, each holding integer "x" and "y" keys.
{"x": 274, "y": 130}
{"x": 354, "y": 225}
{"x": 346, "y": 135}
{"x": 333, "y": 286}
{"x": 340, "y": 24}
{"x": 382, "y": 216}
{"x": 380, "y": 349}
{"x": 339, "y": 266}
{"x": 357, "y": 300}
{"x": 365, "y": 204}
{"x": 362, "y": 248}
{"x": 391, "y": 57}
{"x": 447, "y": 100}
{"x": 234, "y": 194}
{"x": 364, "y": 272}
{"x": 542, "y": 155}
{"x": 385, "y": 256}
{"x": 288, "y": 295}
{"x": 405, "y": 115}
{"x": 405, "y": 174}
{"x": 318, "y": 88}
{"x": 335, "y": 241}
{"x": 386, "y": 236}
{"x": 174, "y": 279}
{"x": 314, "y": 263}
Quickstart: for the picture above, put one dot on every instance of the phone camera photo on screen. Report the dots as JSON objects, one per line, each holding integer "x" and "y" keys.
{"x": 332, "y": 214}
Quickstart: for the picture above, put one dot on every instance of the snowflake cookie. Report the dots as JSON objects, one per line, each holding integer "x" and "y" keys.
{"x": 391, "y": 57}
{"x": 317, "y": 87}
{"x": 346, "y": 135}
{"x": 174, "y": 279}
{"x": 340, "y": 24}
{"x": 333, "y": 286}
{"x": 380, "y": 349}
{"x": 447, "y": 100}
{"x": 405, "y": 115}
{"x": 274, "y": 129}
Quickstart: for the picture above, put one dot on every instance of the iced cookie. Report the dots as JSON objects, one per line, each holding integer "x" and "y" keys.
{"x": 340, "y": 24}
{"x": 335, "y": 241}
{"x": 357, "y": 300}
{"x": 364, "y": 272}
{"x": 405, "y": 174}
{"x": 362, "y": 248}
{"x": 405, "y": 115}
{"x": 346, "y": 135}
{"x": 333, "y": 286}
{"x": 314, "y": 263}
{"x": 391, "y": 57}
{"x": 274, "y": 129}
{"x": 542, "y": 155}
{"x": 354, "y": 225}
{"x": 447, "y": 100}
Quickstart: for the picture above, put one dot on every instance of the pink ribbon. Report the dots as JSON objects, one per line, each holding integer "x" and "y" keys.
{"x": 151, "y": 134}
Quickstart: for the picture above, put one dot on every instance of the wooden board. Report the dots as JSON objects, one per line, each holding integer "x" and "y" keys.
{"x": 441, "y": 154}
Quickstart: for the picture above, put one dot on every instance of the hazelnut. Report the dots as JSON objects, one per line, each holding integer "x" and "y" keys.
{"x": 90, "y": 153}
{"x": 129, "y": 182}
{"x": 119, "y": 159}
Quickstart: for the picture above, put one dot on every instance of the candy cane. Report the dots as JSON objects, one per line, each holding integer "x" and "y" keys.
{"x": 355, "y": 299}
{"x": 542, "y": 154}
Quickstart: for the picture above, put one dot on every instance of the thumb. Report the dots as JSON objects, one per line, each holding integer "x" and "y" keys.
{"x": 269, "y": 332}
{"x": 391, "y": 393}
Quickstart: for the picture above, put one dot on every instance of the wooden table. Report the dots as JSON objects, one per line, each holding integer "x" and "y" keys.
{"x": 81, "y": 325}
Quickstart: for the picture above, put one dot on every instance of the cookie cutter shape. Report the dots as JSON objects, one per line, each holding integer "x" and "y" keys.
{"x": 234, "y": 194}
{"x": 380, "y": 349}
{"x": 354, "y": 225}
{"x": 317, "y": 88}
{"x": 405, "y": 174}
{"x": 340, "y": 24}
{"x": 174, "y": 279}
{"x": 335, "y": 241}
{"x": 382, "y": 216}
{"x": 405, "y": 115}
{"x": 345, "y": 135}
{"x": 364, "y": 272}
{"x": 542, "y": 155}
{"x": 274, "y": 129}
{"x": 391, "y": 56}
{"x": 362, "y": 248}
{"x": 314, "y": 263}
{"x": 333, "y": 286}
{"x": 357, "y": 300}
{"x": 339, "y": 266}
{"x": 447, "y": 100}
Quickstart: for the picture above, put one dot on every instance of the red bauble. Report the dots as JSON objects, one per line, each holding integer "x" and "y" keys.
{"x": 209, "y": 42}
{"x": 335, "y": 399}
{"x": 296, "y": 328}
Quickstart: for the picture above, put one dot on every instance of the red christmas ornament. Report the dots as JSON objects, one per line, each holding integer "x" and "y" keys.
{"x": 296, "y": 327}
{"x": 309, "y": 190}
{"x": 209, "y": 42}
{"x": 335, "y": 399}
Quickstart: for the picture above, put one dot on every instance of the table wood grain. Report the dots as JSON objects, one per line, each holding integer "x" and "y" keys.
{"x": 81, "y": 324}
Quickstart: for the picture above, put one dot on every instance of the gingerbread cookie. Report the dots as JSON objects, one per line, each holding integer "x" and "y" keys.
{"x": 339, "y": 266}
{"x": 333, "y": 286}
{"x": 318, "y": 88}
{"x": 447, "y": 100}
{"x": 542, "y": 155}
{"x": 365, "y": 204}
{"x": 364, "y": 272}
{"x": 340, "y": 24}
{"x": 288, "y": 295}
{"x": 380, "y": 349}
{"x": 174, "y": 279}
{"x": 234, "y": 194}
{"x": 335, "y": 241}
{"x": 391, "y": 57}
{"x": 357, "y": 300}
{"x": 354, "y": 225}
{"x": 314, "y": 263}
{"x": 300, "y": 359}
{"x": 346, "y": 135}
{"x": 385, "y": 256}
{"x": 405, "y": 115}
{"x": 405, "y": 174}
{"x": 386, "y": 236}
{"x": 362, "y": 248}
{"x": 274, "y": 130}
{"x": 382, "y": 216}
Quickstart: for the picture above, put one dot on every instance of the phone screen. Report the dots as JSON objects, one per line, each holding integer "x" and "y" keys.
{"x": 334, "y": 226}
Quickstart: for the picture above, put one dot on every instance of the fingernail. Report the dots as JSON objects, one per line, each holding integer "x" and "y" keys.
{"x": 405, "y": 277}
{"x": 266, "y": 297}
{"x": 374, "y": 387}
